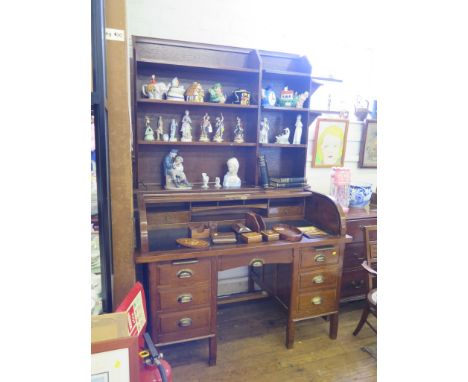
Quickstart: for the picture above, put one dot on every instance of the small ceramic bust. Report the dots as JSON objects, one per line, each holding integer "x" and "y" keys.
{"x": 231, "y": 180}
{"x": 149, "y": 133}
{"x": 298, "y": 131}
{"x": 217, "y": 182}
{"x": 283, "y": 138}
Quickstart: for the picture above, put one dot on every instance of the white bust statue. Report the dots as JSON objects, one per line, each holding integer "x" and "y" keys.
{"x": 231, "y": 180}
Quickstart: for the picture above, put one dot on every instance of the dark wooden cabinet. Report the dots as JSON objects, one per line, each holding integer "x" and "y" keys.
{"x": 353, "y": 284}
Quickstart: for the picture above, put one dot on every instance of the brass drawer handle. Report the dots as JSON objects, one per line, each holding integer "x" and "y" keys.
{"x": 180, "y": 262}
{"x": 357, "y": 285}
{"x": 318, "y": 279}
{"x": 317, "y": 300}
{"x": 184, "y": 298}
{"x": 185, "y": 273}
{"x": 320, "y": 258}
{"x": 257, "y": 263}
{"x": 184, "y": 322}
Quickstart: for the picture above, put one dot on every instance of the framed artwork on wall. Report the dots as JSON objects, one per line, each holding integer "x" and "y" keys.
{"x": 368, "y": 152}
{"x": 330, "y": 142}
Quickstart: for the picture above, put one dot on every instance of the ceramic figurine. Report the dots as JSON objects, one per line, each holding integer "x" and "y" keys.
{"x": 283, "y": 138}
{"x": 231, "y": 180}
{"x": 241, "y": 97}
{"x": 264, "y": 131}
{"x": 287, "y": 98}
{"x": 206, "y": 179}
{"x": 195, "y": 93}
{"x": 216, "y": 93}
{"x": 205, "y": 128}
{"x": 174, "y": 172}
{"x": 176, "y": 91}
{"x": 298, "y": 131}
{"x": 154, "y": 90}
{"x": 239, "y": 132}
{"x": 268, "y": 97}
{"x": 159, "y": 130}
{"x": 186, "y": 128}
{"x": 301, "y": 98}
{"x": 173, "y": 130}
{"x": 219, "y": 129}
{"x": 149, "y": 133}
{"x": 166, "y": 137}
{"x": 217, "y": 182}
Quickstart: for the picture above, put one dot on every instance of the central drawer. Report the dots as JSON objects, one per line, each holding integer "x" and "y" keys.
{"x": 186, "y": 272}
{"x": 183, "y": 298}
{"x": 319, "y": 278}
{"x": 319, "y": 256}
{"x": 317, "y": 302}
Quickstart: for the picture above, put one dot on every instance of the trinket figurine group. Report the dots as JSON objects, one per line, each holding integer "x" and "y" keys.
{"x": 186, "y": 130}
{"x": 283, "y": 137}
{"x": 175, "y": 178}
{"x": 288, "y": 98}
{"x": 194, "y": 93}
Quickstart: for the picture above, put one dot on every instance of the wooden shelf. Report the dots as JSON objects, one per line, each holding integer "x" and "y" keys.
{"x": 324, "y": 111}
{"x": 290, "y": 146}
{"x": 285, "y": 73}
{"x": 282, "y": 108}
{"x": 199, "y": 104}
{"x": 325, "y": 79}
{"x": 197, "y": 143}
{"x": 198, "y": 67}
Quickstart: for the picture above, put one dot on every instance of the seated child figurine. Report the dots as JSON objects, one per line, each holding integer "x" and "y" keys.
{"x": 178, "y": 176}
{"x": 231, "y": 180}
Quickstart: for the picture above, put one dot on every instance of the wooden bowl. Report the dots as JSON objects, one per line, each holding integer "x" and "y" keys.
{"x": 287, "y": 232}
{"x": 193, "y": 243}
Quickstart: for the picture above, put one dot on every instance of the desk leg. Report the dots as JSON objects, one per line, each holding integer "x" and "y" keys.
{"x": 251, "y": 282}
{"x": 333, "y": 326}
{"x": 213, "y": 349}
{"x": 290, "y": 333}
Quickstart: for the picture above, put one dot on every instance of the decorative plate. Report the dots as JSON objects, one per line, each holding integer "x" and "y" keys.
{"x": 193, "y": 243}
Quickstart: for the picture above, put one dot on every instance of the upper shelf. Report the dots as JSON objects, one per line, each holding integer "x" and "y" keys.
{"x": 282, "y": 108}
{"x": 281, "y": 73}
{"x": 203, "y": 104}
{"x": 175, "y": 66}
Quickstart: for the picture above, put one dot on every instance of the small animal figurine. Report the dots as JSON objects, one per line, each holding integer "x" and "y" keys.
{"x": 298, "y": 131}
{"x": 283, "y": 138}
{"x": 149, "y": 133}
{"x": 206, "y": 179}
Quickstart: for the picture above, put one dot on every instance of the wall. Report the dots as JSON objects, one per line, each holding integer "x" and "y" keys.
{"x": 344, "y": 52}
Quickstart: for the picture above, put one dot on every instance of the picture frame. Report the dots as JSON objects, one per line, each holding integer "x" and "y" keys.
{"x": 115, "y": 360}
{"x": 329, "y": 146}
{"x": 368, "y": 150}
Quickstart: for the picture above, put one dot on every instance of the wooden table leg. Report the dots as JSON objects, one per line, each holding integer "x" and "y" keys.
{"x": 290, "y": 332}
{"x": 333, "y": 326}
{"x": 213, "y": 350}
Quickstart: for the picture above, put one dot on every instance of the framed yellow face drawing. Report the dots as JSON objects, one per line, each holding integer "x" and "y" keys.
{"x": 330, "y": 142}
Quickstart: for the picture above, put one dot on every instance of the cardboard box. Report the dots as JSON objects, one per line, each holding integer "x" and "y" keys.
{"x": 109, "y": 326}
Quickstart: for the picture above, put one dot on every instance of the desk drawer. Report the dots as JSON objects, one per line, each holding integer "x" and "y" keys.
{"x": 354, "y": 228}
{"x": 354, "y": 283}
{"x": 185, "y": 272}
{"x": 319, "y": 278}
{"x": 184, "y": 322}
{"x": 319, "y": 256}
{"x": 317, "y": 302}
{"x": 183, "y": 298}
{"x": 354, "y": 255}
{"x": 257, "y": 259}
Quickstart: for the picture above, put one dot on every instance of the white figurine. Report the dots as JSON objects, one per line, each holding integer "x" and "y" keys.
{"x": 219, "y": 129}
{"x": 298, "y": 131}
{"x": 206, "y": 179}
{"x": 205, "y": 128}
{"x": 159, "y": 130}
{"x": 264, "y": 131}
{"x": 283, "y": 138}
{"x": 178, "y": 175}
{"x": 217, "y": 182}
{"x": 149, "y": 133}
{"x": 186, "y": 128}
{"x": 231, "y": 180}
{"x": 173, "y": 137}
{"x": 239, "y": 132}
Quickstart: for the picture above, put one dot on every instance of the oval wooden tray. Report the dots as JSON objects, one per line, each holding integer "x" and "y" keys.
{"x": 287, "y": 232}
{"x": 193, "y": 243}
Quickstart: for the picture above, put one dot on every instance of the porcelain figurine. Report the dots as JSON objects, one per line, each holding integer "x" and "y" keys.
{"x": 268, "y": 97}
{"x": 231, "y": 180}
{"x": 205, "y": 129}
{"x": 186, "y": 128}
{"x": 149, "y": 133}
{"x": 217, "y": 182}
{"x": 287, "y": 98}
{"x": 301, "y": 98}
{"x": 206, "y": 179}
{"x": 168, "y": 169}
{"x": 195, "y": 93}
{"x": 166, "y": 137}
{"x": 173, "y": 131}
{"x": 283, "y": 138}
{"x": 264, "y": 127}
{"x": 219, "y": 129}
{"x": 239, "y": 131}
{"x": 160, "y": 129}
{"x": 216, "y": 93}
{"x": 176, "y": 91}
{"x": 154, "y": 90}
{"x": 298, "y": 131}
{"x": 241, "y": 97}
{"x": 174, "y": 172}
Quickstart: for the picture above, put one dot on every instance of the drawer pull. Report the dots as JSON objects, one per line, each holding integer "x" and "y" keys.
{"x": 357, "y": 285}
{"x": 317, "y": 300}
{"x": 257, "y": 263}
{"x": 180, "y": 262}
{"x": 318, "y": 279}
{"x": 334, "y": 253}
{"x": 320, "y": 258}
{"x": 185, "y": 273}
{"x": 184, "y": 298}
{"x": 184, "y": 322}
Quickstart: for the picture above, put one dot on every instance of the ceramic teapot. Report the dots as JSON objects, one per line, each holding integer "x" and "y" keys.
{"x": 154, "y": 90}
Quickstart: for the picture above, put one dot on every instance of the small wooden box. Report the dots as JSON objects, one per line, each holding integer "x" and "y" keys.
{"x": 199, "y": 231}
{"x": 251, "y": 237}
{"x": 223, "y": 237}
{"x": 270, "y": 235}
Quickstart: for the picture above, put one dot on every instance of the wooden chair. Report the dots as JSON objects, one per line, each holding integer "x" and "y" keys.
{"x": 370, "y": 241}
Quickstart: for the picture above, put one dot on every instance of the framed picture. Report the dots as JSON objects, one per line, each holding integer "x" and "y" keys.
{"x": 115, "y": 360}
{"x": 368, "y": 152}
{"x": 330, "y": 142}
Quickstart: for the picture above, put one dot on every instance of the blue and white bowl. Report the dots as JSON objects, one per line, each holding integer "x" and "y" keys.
{"x": 359, "y": 194}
